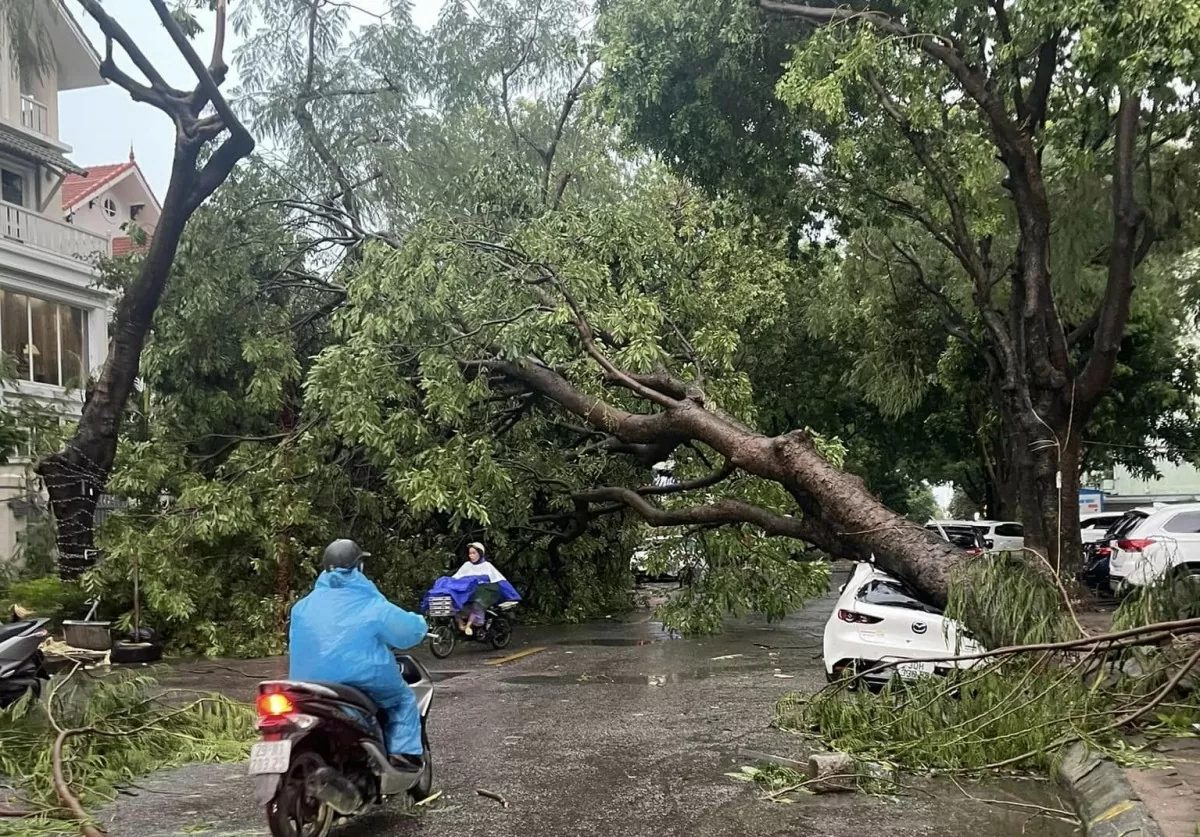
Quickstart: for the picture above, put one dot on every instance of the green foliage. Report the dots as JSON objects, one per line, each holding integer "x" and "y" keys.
{"x": 784, "y": 117}
{"x": 1009, "y": 599}
{"x": 743, "y": 572}
{"x": 922, "y": 505}
{"x": 1017, "y": 716}
{"x": 962, "y": 507}
{"x": 47, "y": 596}
{"x": 133, "y": 728}
{"x": 1174, "y": 596}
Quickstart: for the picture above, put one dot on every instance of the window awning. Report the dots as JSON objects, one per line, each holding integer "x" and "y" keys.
{"x": 16, "y": 143}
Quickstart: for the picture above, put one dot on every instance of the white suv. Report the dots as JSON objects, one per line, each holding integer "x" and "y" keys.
{"x": 1164, "y": 542}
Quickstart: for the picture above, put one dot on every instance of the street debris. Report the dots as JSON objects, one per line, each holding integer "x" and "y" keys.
{"x": 499, "y": 661}
{"x": 728, "y": 657}
{"x": 492, "y": 795}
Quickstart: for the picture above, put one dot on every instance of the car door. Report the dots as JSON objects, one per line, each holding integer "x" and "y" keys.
{"x": 1179, "y": 543}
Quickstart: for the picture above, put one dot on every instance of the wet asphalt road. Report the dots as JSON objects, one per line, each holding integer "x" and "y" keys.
{"x": 612, "y": 729}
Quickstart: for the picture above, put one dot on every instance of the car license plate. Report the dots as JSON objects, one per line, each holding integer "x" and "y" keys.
{"x": 910, "y": 670}
{"x": 270, "y": 757}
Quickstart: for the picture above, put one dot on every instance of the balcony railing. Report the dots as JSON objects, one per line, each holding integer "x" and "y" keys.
{"x": 35, "y": 116}
{"x": 29, "y": 228}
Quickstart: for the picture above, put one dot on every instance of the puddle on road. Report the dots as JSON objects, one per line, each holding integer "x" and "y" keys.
{"x": 610, "y": 642}
{"x": 628, "y": 679}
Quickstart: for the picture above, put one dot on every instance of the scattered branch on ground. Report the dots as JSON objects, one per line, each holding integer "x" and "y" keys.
{"x": 492, "y": 795}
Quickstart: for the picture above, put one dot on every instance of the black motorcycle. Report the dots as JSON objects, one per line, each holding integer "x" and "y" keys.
{"x": 444, "y": 631}
{"x": 323, "y": 753}
{"x": 22, "y": 665}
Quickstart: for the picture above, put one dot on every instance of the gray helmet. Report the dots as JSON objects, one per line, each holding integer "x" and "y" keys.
{"x": 343, "y": 554}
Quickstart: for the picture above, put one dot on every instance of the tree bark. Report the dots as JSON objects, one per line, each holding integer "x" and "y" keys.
{"x": 76, "y": 475}
{"x": 836, "y": 512}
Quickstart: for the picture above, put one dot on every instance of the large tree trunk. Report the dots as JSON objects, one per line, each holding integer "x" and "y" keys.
{"x": 76, "y": 475}
{"x": 1045, "y": 456}
{"x": 836, "y": 511}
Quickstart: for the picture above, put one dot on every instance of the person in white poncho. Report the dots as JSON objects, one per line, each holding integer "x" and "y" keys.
{"x": 472, "y": 616}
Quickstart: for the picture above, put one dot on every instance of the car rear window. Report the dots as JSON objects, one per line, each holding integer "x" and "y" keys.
{"x": 1125, "y": 524}
{"x": 964, "y": 537}
{"x": 893, "y": 594}
{"x": 1184, "y": 523}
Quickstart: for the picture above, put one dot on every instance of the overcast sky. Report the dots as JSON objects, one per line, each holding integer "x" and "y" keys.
{"x": 101, "y": 123}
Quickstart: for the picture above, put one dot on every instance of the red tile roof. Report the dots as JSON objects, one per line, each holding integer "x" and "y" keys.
{"x": 123, "y": 245}
{"x": 75, "y": 188}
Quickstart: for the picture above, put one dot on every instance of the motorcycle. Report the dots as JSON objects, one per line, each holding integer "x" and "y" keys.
{"x": 444, "y": 631}
{"x": 323, "y": 753}
{"x": 22, "y": 664}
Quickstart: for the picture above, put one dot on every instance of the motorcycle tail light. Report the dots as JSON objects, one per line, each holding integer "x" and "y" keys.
{"x": 274, "y": 705}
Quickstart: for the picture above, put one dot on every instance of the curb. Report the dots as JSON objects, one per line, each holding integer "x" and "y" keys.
{"x": 1103, "y": 797}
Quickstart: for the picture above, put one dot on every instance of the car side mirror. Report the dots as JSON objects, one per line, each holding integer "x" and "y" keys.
{"x": 989, "y": 543}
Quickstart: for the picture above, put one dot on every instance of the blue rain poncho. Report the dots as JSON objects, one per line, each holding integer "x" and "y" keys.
{"x": 343, "y": 632}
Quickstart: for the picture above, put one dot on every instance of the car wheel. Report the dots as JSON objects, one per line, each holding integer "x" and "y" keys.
{"x": 845, "y": 675}
{"x": 129, "y": 653}
{"x": 441, "y": 641}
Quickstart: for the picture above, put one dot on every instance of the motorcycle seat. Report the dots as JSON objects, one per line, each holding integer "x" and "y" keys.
{"x": 322, "y": 688}
{"x": 351, "y": 695}
{"x": 12, "y": 629}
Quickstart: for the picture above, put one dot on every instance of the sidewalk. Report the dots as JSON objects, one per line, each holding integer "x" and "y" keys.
{"x": 1172, "y": 794}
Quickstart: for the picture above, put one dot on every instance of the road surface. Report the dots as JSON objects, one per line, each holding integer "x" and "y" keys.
{"x": 611, "y": 729}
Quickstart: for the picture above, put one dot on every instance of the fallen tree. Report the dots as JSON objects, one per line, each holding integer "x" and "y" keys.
{"x": 625, "y": 324}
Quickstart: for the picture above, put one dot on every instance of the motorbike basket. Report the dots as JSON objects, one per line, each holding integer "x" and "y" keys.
{"x": 441, "y": 606}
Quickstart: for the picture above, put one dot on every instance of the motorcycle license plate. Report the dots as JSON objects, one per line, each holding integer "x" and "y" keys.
{"x": 270, "y": 757}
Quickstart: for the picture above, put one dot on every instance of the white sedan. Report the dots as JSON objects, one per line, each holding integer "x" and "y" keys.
{"x": 878, "y": 619}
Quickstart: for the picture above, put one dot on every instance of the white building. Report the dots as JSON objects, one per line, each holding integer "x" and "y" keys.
{"x": 57, "y": 220}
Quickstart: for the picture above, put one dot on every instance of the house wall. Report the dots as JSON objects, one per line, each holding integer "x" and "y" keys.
{"x": 124, "y": 194}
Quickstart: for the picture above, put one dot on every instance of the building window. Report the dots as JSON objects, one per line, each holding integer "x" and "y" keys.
{"x": 45, "y": 341}
{"x": 110, "y": 209}
{"x": 136, "y": 211}
{"x": 12, "y": 187}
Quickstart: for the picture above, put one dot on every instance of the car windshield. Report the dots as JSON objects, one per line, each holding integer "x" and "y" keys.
{"x": 893, "y": 593}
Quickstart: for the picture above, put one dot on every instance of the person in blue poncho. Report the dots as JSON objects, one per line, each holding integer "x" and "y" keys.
{"x": 343, "y": 632}
{"x": 486, "y": 594}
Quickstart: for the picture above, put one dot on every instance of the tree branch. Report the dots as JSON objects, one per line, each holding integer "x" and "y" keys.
{"x": 207, "y": 83}
{"x": 720, "y": 513}
{"x": 1127, "y": 217}
{"x": 706, "y": 481}
{"x": 114, "y": 31}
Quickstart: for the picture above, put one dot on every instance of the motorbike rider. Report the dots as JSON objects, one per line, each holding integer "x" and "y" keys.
{"x": 343, "y": 632}
{"x": 477, "y": 564}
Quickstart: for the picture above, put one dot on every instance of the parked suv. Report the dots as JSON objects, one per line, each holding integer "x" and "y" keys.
{"x": 1005, "y": 535}
{"x": 1163, "y": 542}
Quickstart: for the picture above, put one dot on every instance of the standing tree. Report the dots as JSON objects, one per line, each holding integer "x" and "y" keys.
{"x": 209, "y": 142}
{"x": 1006, "y": 156}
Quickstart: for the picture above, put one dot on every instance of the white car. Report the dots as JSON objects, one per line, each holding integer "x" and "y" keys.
{"x": 1094, "y": 525}
{"x": 998, "y": 535}
{"x": 1005, "y": 535}
{"x": 1154, "y": 544}
{"x": 878, "y": 619}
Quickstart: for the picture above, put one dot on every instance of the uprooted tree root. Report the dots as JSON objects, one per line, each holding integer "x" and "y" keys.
{"x": 72, "y": 752}
{"x": 1017, "y": 706}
